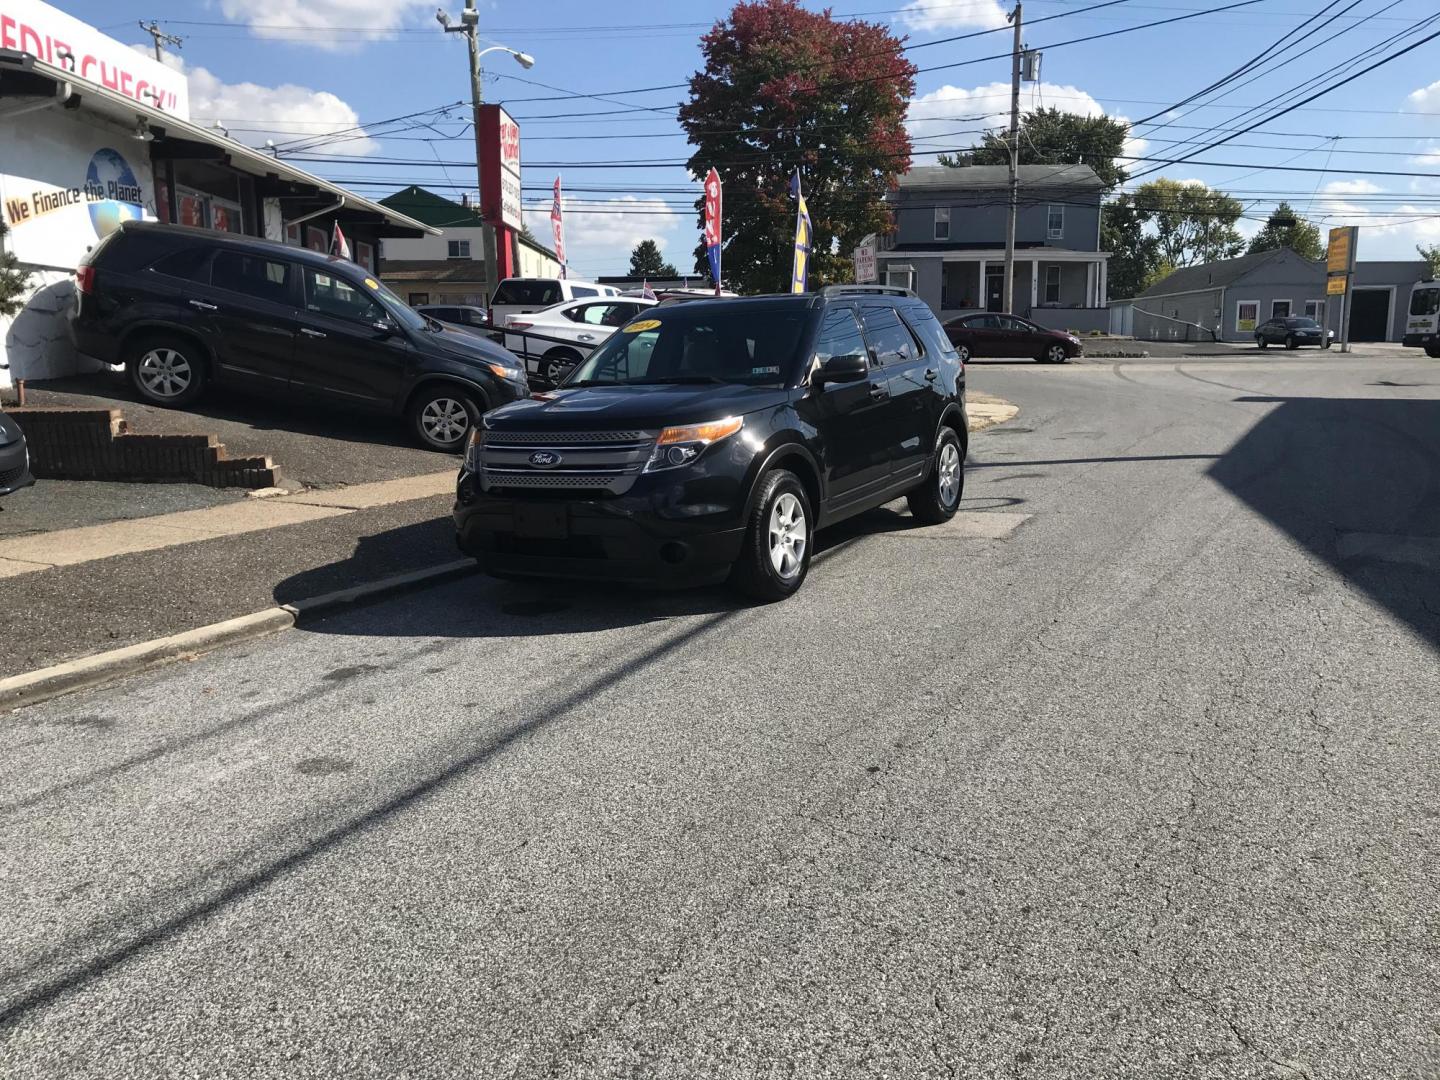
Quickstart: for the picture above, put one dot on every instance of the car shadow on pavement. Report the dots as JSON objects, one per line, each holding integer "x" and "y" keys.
{"x": 481, "y": 606}
{"x": 1356, "y": 482}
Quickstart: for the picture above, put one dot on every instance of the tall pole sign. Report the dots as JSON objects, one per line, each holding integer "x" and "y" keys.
{"x": 1340, "y": 275}
{"x": 500, "y": 183}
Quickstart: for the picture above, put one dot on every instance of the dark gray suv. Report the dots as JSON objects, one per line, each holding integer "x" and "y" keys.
{"x": 190, "y": 310}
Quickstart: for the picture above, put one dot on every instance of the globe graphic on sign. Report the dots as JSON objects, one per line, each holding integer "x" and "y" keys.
{"x": 110, "y": 173}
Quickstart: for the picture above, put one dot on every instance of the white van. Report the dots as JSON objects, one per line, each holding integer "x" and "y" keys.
{"x": 1422, "y": 327}
{"x": 521, "y": 295}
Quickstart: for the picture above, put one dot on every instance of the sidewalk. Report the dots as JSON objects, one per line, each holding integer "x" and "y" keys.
{"x": 74, "y": 592}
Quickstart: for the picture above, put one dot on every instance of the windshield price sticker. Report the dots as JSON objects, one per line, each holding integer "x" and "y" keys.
{"x": 642, "y": 325}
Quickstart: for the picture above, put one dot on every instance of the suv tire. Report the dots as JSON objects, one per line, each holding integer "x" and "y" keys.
{"x": 441, "y": 416}
{"x": 775, "y": 555}
{"x": 167, "y": 369}
{"x": 937, "y": 498}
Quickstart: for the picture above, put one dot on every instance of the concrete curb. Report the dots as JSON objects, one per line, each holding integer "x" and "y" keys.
{"x": 34, "y": 687}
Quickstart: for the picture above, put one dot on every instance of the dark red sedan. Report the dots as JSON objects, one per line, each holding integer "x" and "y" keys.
{"x": 1007, "y": 335}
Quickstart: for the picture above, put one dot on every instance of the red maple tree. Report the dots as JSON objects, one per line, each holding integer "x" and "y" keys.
{"x": 783, "y": 88}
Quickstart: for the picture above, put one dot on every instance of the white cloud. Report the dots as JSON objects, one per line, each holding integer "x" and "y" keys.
{"x": 254, "y": 113}
{"x": 1428, "y": 158}
{"x": 312, "y": 23}
{"x": 936, "y": 117}
{"x": 928, "y": 15}
{"x": 600, "y": 234}
{"x": 1427, "y": 98}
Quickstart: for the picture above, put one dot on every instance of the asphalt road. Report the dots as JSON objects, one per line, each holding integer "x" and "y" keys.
{"x": 1146, "y": 788}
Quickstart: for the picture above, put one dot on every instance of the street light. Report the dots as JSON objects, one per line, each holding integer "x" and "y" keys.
{"x": 525, "y": 60}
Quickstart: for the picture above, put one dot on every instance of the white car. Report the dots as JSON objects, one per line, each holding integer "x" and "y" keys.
{"x": 554, "y": 340}
{"x": 521, "y": 295}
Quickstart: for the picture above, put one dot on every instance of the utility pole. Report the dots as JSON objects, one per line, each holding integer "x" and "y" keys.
{"x": 469, "y": 24}
{"x": 161, "y": 38}
{"x": 1009, "y": 285}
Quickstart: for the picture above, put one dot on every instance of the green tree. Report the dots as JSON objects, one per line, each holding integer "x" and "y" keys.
{"x": 1286, "y": 229}
{"x": 1192, "y": 223}
{"x": 786, "y": 88}
{"x": 646, "y": 261}
{"x": 13, "y": 280}
{"x": 1133, "y": 251}
{"x": 1431, "y": 254}
{"x": 1052, "y": 137}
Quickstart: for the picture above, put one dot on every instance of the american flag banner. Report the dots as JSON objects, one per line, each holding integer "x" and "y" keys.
{"x": 338, "y": 244}
{"x": 557, "y": 226}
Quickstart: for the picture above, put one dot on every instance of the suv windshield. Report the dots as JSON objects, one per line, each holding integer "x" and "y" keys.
{"x": 697, "y": 343}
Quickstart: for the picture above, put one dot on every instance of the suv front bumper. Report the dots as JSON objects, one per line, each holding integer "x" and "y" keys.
{"x": 623, "y": 539}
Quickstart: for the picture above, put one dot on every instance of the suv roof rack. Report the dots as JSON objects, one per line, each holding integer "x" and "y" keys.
{"x": 882, "y": 290}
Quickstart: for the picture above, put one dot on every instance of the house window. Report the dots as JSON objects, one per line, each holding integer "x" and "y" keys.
{"x": 458, "y": 249}
{"x": 1315, "y": 309}
{"x": 942, "y": 223}
{"x": 900, "y": 277}
{"x": 1279, "y": 309}
{"x": 1055, "y": 223}
{"x": 1247, "y": 314}
{"x": 1052, "y": 284}
{"x": 418, "y": 298}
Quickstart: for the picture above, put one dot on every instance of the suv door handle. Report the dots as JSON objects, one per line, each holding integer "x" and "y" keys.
{"x": 311, "y": 333}
{"x": 202, "y": 305}
{"x": 931, "y": 374}
{"x": 879, "y": 390}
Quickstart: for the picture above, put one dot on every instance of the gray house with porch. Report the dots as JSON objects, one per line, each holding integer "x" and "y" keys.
{"x": 949, "y": 242}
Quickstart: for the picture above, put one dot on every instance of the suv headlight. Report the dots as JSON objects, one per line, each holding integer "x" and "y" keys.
{"x": 679, "y": 446}
{"x": 474, "y": 442}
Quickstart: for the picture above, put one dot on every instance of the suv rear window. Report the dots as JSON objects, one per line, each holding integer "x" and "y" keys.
{"x": 252, "y": 275}
{"x": 531, "y": 293}
{"x": 888, "y": 336}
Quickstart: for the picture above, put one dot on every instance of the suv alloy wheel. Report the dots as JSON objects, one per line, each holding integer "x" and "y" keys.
{"x": 167, "y": 370}
{"x": 935, "y": 501}
{"x": 776, "y": 554}
{"x": 442, "y": 415}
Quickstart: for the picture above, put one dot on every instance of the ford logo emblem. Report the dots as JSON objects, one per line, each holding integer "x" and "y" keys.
{"x": 544, "y": 459}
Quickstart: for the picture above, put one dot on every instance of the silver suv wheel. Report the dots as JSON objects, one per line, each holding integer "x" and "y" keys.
{"x": 788, "y": 536}
{"x": 165, "y": 372}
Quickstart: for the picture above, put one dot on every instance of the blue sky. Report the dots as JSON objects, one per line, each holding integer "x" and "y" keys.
{"x": 279, "y": 69}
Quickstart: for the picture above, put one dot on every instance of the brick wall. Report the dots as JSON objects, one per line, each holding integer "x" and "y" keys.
{"x": 96, "y": 444}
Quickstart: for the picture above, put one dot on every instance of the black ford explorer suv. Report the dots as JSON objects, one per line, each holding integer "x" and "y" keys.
{"x": 712, "y": 439}
{"x": 188, "y": 311}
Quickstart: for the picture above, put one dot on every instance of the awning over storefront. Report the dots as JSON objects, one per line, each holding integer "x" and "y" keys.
{"x": 27, "y": 82}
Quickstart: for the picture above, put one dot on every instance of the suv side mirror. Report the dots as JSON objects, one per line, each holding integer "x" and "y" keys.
{"x": 386, "y": 326}
{"x": 852, "y": 367}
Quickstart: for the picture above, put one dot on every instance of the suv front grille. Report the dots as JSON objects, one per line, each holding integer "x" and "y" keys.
{"x": 587, "y": 460}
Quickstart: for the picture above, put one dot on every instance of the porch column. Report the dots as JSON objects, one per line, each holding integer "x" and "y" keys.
{"x": 982, "y": 298}
{"x": 1034, "y": 283}
{"x": 1104, "y": 297}
{"x": 1090, "y": 285}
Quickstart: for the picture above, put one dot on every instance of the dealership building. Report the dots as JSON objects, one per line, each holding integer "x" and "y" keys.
{"x": 94, "y": 133}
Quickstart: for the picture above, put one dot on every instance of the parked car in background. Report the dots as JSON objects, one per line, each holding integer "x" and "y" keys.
{"x": 14, "y": 457}
{"x": 520, "y": 296}
{"x": 466, "y": 317}
{"x": 1422, "y": 326}
{"x": 557, "y": 338}
{"x": 712, "y": 439}
{"x": 1292, "y": 332}
{"x": 991, "y": 335}
{"x": 190, "y": 311}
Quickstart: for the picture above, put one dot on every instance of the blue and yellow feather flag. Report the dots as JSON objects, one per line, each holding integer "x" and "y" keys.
{"x": 801, "y": 271}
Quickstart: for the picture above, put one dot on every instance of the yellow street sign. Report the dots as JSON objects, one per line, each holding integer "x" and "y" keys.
{"x": 1338, "y": 254}
{"x": 1335, "y": 286}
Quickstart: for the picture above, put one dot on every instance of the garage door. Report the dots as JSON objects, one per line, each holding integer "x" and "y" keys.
{"x": 1370, "y": 315}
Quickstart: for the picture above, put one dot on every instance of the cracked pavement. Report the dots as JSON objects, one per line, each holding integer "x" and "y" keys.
{"x": 1144, "y": 789}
